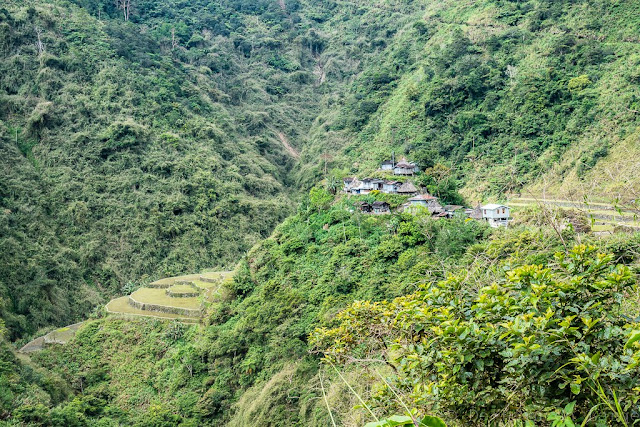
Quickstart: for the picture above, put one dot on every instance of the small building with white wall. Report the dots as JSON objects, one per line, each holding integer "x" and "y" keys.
{"x": 496, "y": 215}
{"x": 387, "y": 165}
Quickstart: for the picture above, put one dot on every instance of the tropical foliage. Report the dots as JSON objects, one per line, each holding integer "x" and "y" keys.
{"x": 539, "y": 339}
{"x": 253, "y": 362}
{"x": 142, "y": 139}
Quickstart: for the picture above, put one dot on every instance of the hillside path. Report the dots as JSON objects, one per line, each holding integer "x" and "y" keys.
{"x": 285, "y": 142}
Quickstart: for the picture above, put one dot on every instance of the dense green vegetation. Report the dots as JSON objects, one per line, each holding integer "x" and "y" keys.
{"x": 252, "y": 363}
{"x": 156, "y": 146}
{"x": 524, "y": 348}
{"x": 501, "y": 93}
{"x": 174, "y": 136}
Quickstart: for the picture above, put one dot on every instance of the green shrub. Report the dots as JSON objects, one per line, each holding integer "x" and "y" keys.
{"x": 518, "y": 349}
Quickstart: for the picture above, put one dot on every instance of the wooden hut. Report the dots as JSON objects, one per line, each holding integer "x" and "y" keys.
{"x": 381, "y": 208}
{"x": 407, "y": 189}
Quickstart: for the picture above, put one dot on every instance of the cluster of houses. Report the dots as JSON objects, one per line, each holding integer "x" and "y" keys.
{"x": 495, "y": 214}
{"x": 403, "y": 167}
{"x": 367, "y": 185}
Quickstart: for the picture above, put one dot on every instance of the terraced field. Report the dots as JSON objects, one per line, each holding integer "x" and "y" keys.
{"x": 180, "y": 298}
{"x": 120, "y": 306}
{"x": 59, "y": 336}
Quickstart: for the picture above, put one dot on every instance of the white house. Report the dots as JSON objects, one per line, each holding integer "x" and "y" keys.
{"x": 365, "y": 186}
{"x": 403, "y": 167}
{"x": 387, "y": 165}
{"x": 377, "y": 184}
{"x": 391, "y": 187}
{"x": 349, "y": 183}
{"x": 496, "y": 215}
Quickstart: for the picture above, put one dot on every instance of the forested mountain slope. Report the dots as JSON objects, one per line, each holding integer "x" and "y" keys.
{"x": 176, "y": 135}
{"x": 503, "y": 94}
{"x": 173, "y": 135}
{"x": 257, "y": 359}
{"x": 152, "y": 146}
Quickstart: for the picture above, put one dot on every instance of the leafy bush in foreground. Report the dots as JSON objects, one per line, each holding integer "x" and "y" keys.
{"x": 541, "y": 339}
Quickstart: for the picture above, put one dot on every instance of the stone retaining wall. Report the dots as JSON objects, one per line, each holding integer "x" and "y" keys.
{"x": 189, "y": 312}
{"x": 173, "y": 294}
{"x": 210, "y": 280}
{"x": 159, "y": 285}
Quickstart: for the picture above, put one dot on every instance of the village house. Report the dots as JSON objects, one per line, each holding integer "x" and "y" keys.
{"x": 452, "y": 210}
{"x": 360, "y": 187}
{"x": 381, "y": 207}
{"x": 407, "y": 189}
{"x": 364, "y": 207}
{"x": 403, "y": 167}
{"x": 377, "y": 207}
{"x": 387, "y": 165}
{"x": 391, "y": 187}
{"x": 377, "y": 184}
{"x": 349, "y": 183}
{"x": 424, "y": 201}
{"x": 496, "y": 215}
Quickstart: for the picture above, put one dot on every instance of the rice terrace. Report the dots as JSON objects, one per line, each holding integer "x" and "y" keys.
{"x": 181, "y": 298}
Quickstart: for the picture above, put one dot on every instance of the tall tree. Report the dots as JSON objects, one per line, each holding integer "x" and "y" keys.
{"x": 125, "y": 6}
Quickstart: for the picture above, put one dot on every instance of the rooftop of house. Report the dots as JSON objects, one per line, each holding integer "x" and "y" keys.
{"x": 380, "y": 204}
{"x": 492, "y": 206}
{"x": 453, "y": 207}
{"x": 403, "y": 163}
{"x": 348, "y": 179}
{"x": 388, "y": 162}
{"x": 407, "y": 187}
{"x": 422, "y": 197}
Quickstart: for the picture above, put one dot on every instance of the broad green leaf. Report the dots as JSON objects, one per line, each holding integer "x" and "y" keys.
{"x": 569, "y": 408}
{"x": 635, "y": 336}
{"x": 430, "y": 421}
{"x": 575, "y": 388}
{"x": 398, "y": 420}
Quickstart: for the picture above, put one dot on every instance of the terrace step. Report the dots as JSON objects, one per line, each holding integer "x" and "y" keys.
{"x": 149, "y": 299}
{"x": 174, "y": 298}
{"x": 120, "y": 307}
{"x": 189, "y": 290}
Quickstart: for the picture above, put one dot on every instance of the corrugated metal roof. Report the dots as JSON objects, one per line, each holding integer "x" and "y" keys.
{"x": 492, "y": 206}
